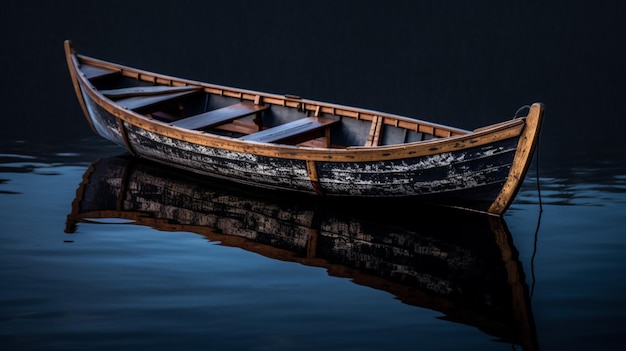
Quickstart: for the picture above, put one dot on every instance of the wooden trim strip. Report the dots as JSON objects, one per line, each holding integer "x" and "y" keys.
{"x": 124, "y": 134}
{"x": 315, "y": 182}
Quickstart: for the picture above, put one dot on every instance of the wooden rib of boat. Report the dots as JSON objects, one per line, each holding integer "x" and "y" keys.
{"x": 467, "y": 269}
{"x": 294, "y": 144}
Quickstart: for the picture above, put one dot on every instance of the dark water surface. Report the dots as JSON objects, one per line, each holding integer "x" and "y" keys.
{"x": 99, "y": 252}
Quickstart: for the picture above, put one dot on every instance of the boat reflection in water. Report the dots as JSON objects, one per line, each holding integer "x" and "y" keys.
{"x": 464, "y": 266}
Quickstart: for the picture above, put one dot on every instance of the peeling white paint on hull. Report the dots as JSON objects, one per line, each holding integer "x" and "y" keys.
{"x": 418, "y": 176}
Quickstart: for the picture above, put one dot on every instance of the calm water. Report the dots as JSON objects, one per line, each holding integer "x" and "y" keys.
{"x": 233, "y": 272}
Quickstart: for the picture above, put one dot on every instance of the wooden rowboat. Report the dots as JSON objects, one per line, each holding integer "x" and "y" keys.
{"x": 289, "y": 143}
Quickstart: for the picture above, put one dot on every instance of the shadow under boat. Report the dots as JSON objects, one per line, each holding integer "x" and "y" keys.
{"x": 459, "y": 263}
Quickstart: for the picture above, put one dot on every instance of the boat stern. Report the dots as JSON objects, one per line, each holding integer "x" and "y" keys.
{"x": 525, "y": 149}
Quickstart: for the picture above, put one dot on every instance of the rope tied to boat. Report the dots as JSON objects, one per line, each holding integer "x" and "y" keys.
{"x": 534, "y": 253}
{"x": 516, "y": 115}
{"x": 536, "y": 236}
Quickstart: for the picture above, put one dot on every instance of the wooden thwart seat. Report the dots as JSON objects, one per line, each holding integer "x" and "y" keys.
{"x": 220, "y": 116}
{"x": 141, "y": 102}
{"x": 145, "y": 91}
{"x": 297, "y": 131}
{"x": 94, "y": 72}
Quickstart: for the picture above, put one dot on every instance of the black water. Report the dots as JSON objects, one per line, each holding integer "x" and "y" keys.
{"x": 128, "y": 286}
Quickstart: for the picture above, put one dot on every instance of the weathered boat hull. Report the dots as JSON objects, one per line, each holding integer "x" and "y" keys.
{"x": 480, "y": 171}
{"x": 473, "y": 175}
{"x": 467, "y": 268}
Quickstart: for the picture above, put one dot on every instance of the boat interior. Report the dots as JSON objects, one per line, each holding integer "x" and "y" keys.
{"x": 255, "y": 116}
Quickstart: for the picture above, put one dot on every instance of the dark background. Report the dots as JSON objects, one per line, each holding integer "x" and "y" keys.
{"x": 465, "y": 63}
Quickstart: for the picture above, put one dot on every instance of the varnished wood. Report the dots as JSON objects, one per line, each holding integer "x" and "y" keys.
{"x": 521, "y": 163}
{"x": 372, "y": 139}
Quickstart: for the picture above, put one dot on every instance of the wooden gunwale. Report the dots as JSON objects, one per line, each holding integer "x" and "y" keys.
{"x": 287, "y": 101}
{"x": 463, "y": 139}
